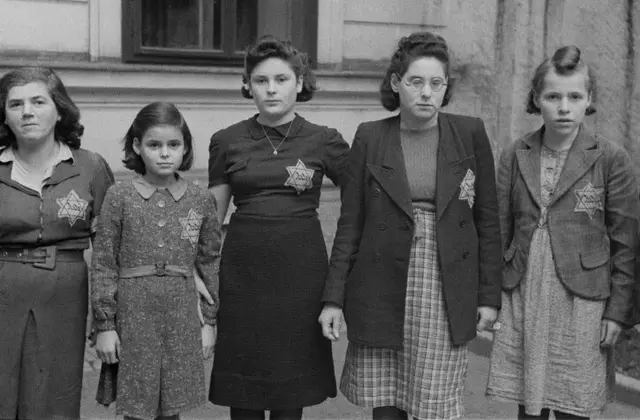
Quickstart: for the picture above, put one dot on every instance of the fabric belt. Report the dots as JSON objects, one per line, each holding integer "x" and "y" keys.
{"x": 42, "y": 257}
{"x": 158, "y": 269}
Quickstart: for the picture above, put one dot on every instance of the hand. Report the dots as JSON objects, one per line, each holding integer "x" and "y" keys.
{"x": 331, "y": 319}
{"x": 108, "y": 346}
{"x": 208, "y": 340}
{"x": 609, "y": 333}
{"x": 202, "y": 290}
{"x": 486, "y": 318}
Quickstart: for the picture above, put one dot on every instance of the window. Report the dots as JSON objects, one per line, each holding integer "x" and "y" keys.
{"x": 213, "y": 32}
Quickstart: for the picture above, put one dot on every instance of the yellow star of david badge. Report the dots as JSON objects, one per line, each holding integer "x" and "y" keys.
{"x": 589, "y": 199}
{"x": 191, "y": 226}
{"x": 468, "y": 188}
{"x": 300, "y": 177}
{"x": 73, "y": 207}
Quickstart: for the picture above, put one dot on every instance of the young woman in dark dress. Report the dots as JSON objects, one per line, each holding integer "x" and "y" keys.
{"x": 270, "y": 353}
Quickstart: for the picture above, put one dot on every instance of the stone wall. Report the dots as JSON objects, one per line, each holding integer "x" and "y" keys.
{"x": 526, "y": 31}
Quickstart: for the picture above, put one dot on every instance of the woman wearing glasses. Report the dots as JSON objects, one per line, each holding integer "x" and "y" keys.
{"x": 416, "y": 258}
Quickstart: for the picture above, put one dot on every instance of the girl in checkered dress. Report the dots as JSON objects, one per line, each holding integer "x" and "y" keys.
{"x": 155, "y": 229}
{"x": 416, "y": 258}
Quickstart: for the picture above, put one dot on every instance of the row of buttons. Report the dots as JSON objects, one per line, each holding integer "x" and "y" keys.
{"x": 161, "y": 222}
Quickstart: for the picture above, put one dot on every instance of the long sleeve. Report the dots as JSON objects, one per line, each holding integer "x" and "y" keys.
{"x": 487, "y": 221}
{"x": 100, "y": 183}
{"x": 104, "y": 267}
{"x": 208, "y": 258}
{"x": 504, "y": 197}
{"x": 621, "y": 215}
{"x": 350, "y": 223}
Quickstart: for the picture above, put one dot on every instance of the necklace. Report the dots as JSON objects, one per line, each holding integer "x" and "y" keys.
{"x": 275, "y": 148}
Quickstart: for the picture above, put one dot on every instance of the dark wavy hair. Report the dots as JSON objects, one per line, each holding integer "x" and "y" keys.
{"x": 269, "y": 46}
{"x": 565, "y": 61}
{"x": 152, "y": 115}
{"x": 67, "y": 130}
{"x": 410, "y": 48}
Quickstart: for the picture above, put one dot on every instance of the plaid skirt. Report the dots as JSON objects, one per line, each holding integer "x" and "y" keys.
{"x": 426, "y": 377}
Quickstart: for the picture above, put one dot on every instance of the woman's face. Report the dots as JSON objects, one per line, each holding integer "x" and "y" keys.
{"x": 421, "y": 89}
{"x": 563, "y": 102}
{"x": 274, "y": 87}
{"x": 31, "y": 113}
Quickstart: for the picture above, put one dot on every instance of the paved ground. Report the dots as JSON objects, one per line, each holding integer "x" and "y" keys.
{"x": 476, "y": 405}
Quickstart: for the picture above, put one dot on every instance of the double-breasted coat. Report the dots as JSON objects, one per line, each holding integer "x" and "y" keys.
{"x": 371, "y": 251}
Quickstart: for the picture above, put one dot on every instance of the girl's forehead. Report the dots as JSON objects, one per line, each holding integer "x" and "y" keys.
{"x": 163, "y": 133}
{"x": 576, "y": 81}
{"x": 273, "y": 65}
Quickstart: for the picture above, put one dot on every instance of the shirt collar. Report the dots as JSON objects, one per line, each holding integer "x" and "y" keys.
{"x": 146, "y": 190}
{"x": 64, "y": 153}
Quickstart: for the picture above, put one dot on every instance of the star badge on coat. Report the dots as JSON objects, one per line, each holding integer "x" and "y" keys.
{"x": 589, "y": 199}
{"x": 468, "y": 188}
{"x": 300, "y": 177}
{"x": 191, "y": 226}
{"x": 72, "y": 207}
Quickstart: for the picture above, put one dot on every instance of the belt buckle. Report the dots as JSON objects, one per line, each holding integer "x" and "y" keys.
{"x": 49, "y": 259}
{"x": 161, "y": 268}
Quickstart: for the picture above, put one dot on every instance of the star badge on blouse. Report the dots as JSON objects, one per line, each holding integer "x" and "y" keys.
{"x": 589, "y": 199}
{"x": 300, "y": 177}
{"x": 191, "y": 226}
{"x": 72, "y": 207}
{"x": 468, "y": 188}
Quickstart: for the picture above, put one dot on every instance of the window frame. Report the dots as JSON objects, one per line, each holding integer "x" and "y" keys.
{"x": 134, "y": 52}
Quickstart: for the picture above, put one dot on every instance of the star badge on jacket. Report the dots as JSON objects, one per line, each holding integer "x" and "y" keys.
{"x": 589, "y": 199}
{"x": 468, "y": 188}
{"x": 191, "y": 226}
{"x": 300, "y": 177}
{"x": 72, "y": 207}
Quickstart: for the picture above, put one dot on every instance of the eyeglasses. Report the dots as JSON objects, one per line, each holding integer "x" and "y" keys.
{"x": 436, "y": 84}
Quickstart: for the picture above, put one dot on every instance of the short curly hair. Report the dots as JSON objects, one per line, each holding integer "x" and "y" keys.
{"x": 410, "y": 48}
{"x": 68, "y": 129}
{"x": 269, "y": 46}
{"x": 565, "y": 61}
{"x": 152, "y": 115}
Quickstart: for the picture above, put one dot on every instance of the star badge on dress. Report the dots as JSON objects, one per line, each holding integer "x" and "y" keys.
{"x": 468, "y": 188}
{"x": 589, "y": 199}
{"x": 73, "y": 207}
{"x": 191, "y": 226}
{"x": 300, "y": 177}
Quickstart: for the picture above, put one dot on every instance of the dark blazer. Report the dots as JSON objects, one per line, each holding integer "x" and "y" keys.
{"x": 592, "y": 218}
{"x": 370, "y": 257}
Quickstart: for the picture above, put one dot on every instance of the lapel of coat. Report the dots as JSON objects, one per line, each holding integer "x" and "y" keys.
{"x": 529, "y": 164}
{"x": 582, "y": 155}
{"x": 449, "y": 172}
{"x": 392, "y": 174}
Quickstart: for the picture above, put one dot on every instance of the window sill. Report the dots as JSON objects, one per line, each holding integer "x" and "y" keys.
{"x": 115, "y": 75}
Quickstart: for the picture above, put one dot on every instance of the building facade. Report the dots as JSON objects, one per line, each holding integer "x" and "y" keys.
{"x": 115, "y": 56}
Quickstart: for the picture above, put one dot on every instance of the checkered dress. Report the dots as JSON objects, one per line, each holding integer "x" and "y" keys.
{"x": 426, "y": 378}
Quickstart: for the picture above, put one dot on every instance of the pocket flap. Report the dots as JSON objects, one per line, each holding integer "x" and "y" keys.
{"x": 594, "y": 258}
{"x": 237, "y": 166}
{"x": 509, "y": 253}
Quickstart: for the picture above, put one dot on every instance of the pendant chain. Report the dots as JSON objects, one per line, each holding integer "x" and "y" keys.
{"x": 275, "y": 148}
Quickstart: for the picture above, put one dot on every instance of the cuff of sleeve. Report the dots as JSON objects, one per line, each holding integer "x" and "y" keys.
{"x": 104, "y": 325}
{"x": 209, "y": 312}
